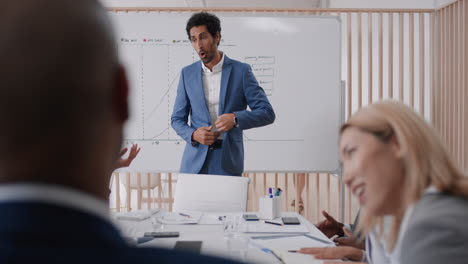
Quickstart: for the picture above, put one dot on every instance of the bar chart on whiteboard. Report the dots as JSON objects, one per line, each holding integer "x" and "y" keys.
{"x": 301, "y": 82}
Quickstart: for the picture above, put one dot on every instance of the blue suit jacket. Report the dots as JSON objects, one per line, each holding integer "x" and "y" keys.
{"x": 239, "y": 89}
{"x": 43, "y": 233}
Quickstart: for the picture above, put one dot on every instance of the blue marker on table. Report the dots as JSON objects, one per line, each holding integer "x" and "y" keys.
{"x": 270, "y": 193}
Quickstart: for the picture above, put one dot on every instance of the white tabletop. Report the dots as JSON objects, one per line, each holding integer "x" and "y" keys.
{"x": 212, "y": 236}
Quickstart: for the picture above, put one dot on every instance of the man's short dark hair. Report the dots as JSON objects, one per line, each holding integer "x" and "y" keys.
{"x": 212, "y": 23}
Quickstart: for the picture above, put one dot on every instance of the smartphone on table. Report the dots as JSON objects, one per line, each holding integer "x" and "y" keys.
{"x": 192, "y": 246}
{"x": 250, "y": 217}
{"x": 161, "y": 234}
{"x": 291, "y": 220}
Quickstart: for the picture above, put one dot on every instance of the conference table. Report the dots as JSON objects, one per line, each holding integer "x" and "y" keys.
{"x": 215, "y": 243}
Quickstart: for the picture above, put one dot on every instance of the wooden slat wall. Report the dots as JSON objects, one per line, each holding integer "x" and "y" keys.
{"x": 396, "y": 70}
{"x": 394, "y": 58}
{"x": 451, "y": 74}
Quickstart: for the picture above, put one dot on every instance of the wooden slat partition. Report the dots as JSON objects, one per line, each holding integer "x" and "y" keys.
{"x": 463, "y": 42}
{"x": 460, "y": 87}
{"x": 160, "y": 191}
{"x": 350, "y": 64}
{"x": 139, "y": 191}
{"x": 422, "y": 68}
{"x": 314, "y": 11}
{"x": 380, "y": 56}
{"x": 432, "y": 69}
{"x": 127, "y": 178}
{"x": 449, "y": 88}
{"x": 359, "y": 60}
{"x": 350, "y": 88}
{"x": 148, "y": 190}
{"x": 411, "y": 59}
{"x": 444, "y": 62}
{"x": 390, "y": 56}
{"x": 401, "y": 39}
{"x": 369, "y": 58}
{"x": 451, "y": 97}
{"x": 456, "y": 85}
{"x": 170, "y": 190}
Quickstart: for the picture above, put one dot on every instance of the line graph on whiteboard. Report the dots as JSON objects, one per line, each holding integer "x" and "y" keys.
{"x": 153, "y": 70}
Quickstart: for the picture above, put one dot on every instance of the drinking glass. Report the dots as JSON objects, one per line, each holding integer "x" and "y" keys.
{"x": 157, "y": 221}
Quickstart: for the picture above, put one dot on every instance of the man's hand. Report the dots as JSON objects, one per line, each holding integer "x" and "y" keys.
{"x": 205, "y": 136}
{"x": 330, "y": 226}
{"x": 334, "y": 253}
{"x": 225, "y": 122}
{"x": 350, "y": 240}
{"x": 121, "y": 162}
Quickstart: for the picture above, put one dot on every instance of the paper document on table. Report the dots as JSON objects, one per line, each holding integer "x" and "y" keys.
{"x": 292, "y": 242}
{"x": 136, "y": 215}
{"x": 181, "y": 218}
{"x": 296, "y": 258}
{"x": 210, "y": 219}
{"x": 261, "y": 227}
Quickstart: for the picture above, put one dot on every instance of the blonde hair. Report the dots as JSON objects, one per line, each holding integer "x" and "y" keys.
{"x": 425, "y": 160}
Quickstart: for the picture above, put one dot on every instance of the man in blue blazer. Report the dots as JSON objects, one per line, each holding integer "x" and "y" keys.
{"x": 215, "y": 93}
{"x": 63, "y": 103}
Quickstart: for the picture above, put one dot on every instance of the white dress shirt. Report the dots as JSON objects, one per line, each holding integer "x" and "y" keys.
{"x": 211, "y": 87}
{"x": 55, "y": 195}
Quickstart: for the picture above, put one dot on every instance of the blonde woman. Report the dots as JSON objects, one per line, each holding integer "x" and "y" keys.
{"x": 397, "y": 167}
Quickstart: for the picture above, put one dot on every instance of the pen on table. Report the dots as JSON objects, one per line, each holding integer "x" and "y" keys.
{"x": 270, "y": 194}
{"x": 292, "y": 251}
{"x": 186, "y": 215}
{"x": 276, "y": 256}
{"x": 273, "y": 223}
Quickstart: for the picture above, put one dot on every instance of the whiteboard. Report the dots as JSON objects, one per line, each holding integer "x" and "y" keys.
{"x": 296, "y": 59}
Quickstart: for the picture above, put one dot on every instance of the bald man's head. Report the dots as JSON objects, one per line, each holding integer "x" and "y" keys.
{"x": 58, "y": 70}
